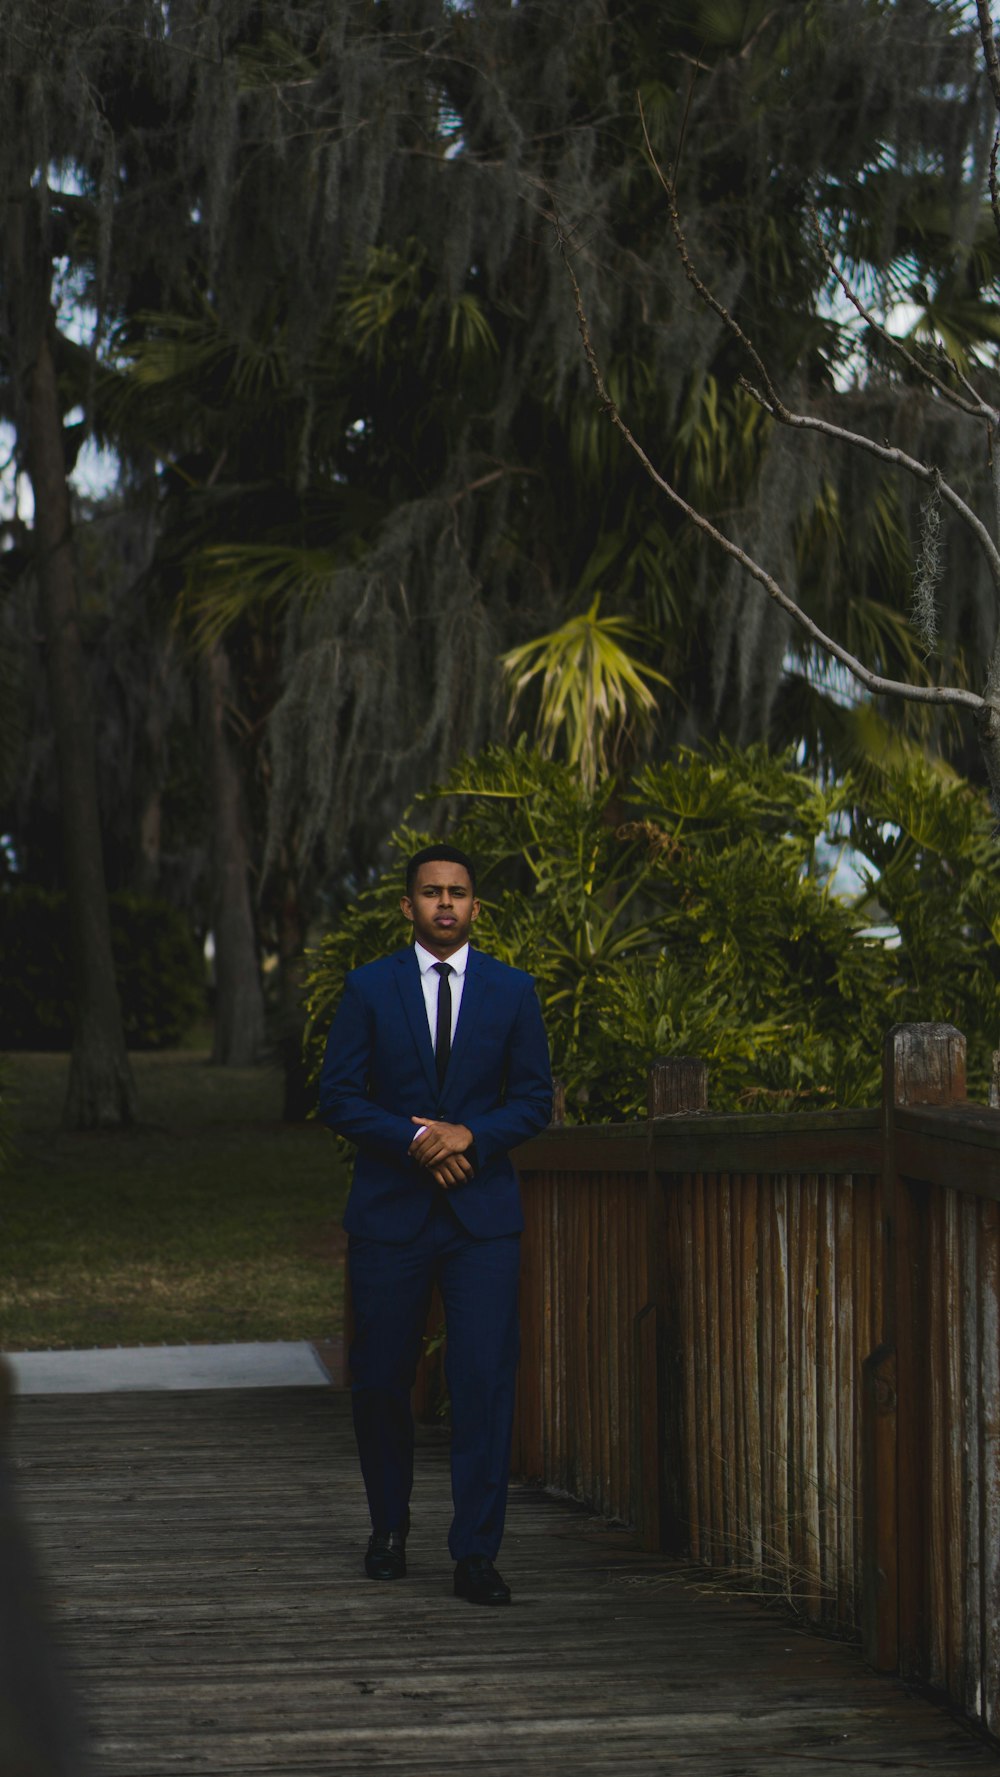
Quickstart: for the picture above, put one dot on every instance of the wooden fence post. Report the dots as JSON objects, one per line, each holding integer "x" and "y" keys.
{"x": 677, "y": 1085}
{"x": 923, "y": 1064}
{"x": 880, "y": 1530}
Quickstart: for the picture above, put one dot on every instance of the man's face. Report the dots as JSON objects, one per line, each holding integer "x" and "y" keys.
{"x": 441, "y": 908}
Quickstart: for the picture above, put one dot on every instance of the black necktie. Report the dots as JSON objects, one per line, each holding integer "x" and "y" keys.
{"x": 442, "y": 1040}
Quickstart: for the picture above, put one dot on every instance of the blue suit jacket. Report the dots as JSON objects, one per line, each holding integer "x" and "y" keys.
{"x": 379, "y": 1071}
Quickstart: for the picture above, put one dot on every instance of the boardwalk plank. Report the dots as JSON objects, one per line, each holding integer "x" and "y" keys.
{"x": 204, "y": 1553}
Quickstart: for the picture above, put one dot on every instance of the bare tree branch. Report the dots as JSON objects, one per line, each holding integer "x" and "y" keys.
{"x": 961, "y": 377}
{"x": 990, "y": 56}
{"x": 708, "y": 296}
{"x": 993, "y": 74}
{"x": 899, "y": 459}
{"x": 773, "y": 404}
{"x": 994, "y": 187}
{"x": 964, "y": 398}
{"x": 930, "y": 694}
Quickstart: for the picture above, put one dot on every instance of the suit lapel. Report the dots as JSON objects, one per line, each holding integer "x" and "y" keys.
{"x": 473, "y": 994}
{"x": 412, "y": 995}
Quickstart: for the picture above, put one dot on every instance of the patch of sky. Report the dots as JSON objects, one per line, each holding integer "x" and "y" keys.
{"x": 839, "y": 864}
{"x": 900, "y": 317}
{"x": 850, "y": 882}
{"x": 96, "y": 470}
{"x": 894, "y": 294}
{"x": 94, "y": 475}
{"x": 16, "y": 498}
{"x": 829, "y": 676}
{"x": 849, "y": 877}
{"x": 889, "y": 935}
{"x": 76, "y": 316}
{"x": 449, "y": 127}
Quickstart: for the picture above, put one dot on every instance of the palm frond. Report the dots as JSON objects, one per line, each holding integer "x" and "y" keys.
{"x": 594, "y": 694}
{"x": 225, "y": 581}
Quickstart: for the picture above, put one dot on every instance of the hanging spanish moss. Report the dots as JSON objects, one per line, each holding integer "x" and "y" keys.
{"x": 928, "y": 572}
{"x": 364, "y": 208}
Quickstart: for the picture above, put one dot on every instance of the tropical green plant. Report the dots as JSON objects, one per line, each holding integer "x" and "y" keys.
{"x": 948, "y": 361}
{"x": 409, "y": 470}
{"x": 595, "y": 695}
{"x": 710, "y": 922}
{"x": 927, "y": 851}
{"x": 320, "y": 256}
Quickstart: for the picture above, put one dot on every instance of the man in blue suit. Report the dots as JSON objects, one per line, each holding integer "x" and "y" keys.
{"x": 436, "y": 1066}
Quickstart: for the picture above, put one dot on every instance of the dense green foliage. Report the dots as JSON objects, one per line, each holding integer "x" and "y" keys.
{"x": 320, "y": 254}
{"x": 161, "y": 976}
{"x": 697, "y": 914}
{"x": 298, "y": 268}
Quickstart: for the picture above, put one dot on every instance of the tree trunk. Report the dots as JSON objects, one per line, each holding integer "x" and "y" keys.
{"x": 101, "y": 1092}
{"x": 300, "y": 1091}
{"x": 150, "y": 831}
{"x": 239, "y": 1001}
{"x": 147, "y": 873}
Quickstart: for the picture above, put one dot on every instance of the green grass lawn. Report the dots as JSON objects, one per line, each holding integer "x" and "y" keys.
{"x": 212, "y": 1220}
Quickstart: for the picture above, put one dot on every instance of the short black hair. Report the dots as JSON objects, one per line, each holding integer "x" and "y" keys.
{"x": 448, "y": 854}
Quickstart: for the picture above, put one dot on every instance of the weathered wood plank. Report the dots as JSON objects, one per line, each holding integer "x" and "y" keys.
{"x": 749, "y": 1300}
{"x": 765, "y": 1261}
{"x": 715, "y": 1358}
{"x": 808, "y": 1397}
{"x": 829, "y": 1401}
{"x": 699, "y": 1337}
{"x": 957, "y": 1145}
{"x": 971, "y": 1557}
{"x": 954, "y": 1440}
{"x": 879, "y": 1541}
{"x": 205, "y": 1562}
{"x": 989, "y": 1445}
{"x": 737, "y": 1457}
{"x": 952, "y": 1147}
{"x": 604, "y": 1353}
{"x": 913, "y": 1382}
{"x": 848, "y": 1386}
{"x": 725, "y": 1429}
{"x": 686, "y": 1315}
{"x": 935, "y": 1470}
{"x": 819, "y": 1141}
{"x": 777, "y": 1380}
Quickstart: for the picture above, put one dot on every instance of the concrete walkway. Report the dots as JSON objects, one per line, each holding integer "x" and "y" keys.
{"x": 275, "y": 1364}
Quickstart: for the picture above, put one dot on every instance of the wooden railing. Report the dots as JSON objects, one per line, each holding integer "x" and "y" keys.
{"x": 772, "y": 1343}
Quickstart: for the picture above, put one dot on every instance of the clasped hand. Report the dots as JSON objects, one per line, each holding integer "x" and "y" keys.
{"x": 441, "y": 1148}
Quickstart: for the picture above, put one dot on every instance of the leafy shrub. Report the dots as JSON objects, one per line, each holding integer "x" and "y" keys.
{"x": 695, "y": 913}
{"x": 161, "y": 975}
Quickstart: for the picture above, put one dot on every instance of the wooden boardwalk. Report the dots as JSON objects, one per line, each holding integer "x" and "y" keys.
{"x": 204, "y": 1554}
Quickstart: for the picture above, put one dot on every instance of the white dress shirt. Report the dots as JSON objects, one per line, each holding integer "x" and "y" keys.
{"x": 431, "y": 984}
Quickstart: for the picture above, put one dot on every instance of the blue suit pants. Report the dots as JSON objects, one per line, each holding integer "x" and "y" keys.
{"x": 391, "y": 1286}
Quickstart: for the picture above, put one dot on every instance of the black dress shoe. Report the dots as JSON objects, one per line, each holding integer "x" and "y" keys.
{"x": 477, "y": 1579}
{"x": 386, "y": 1555}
